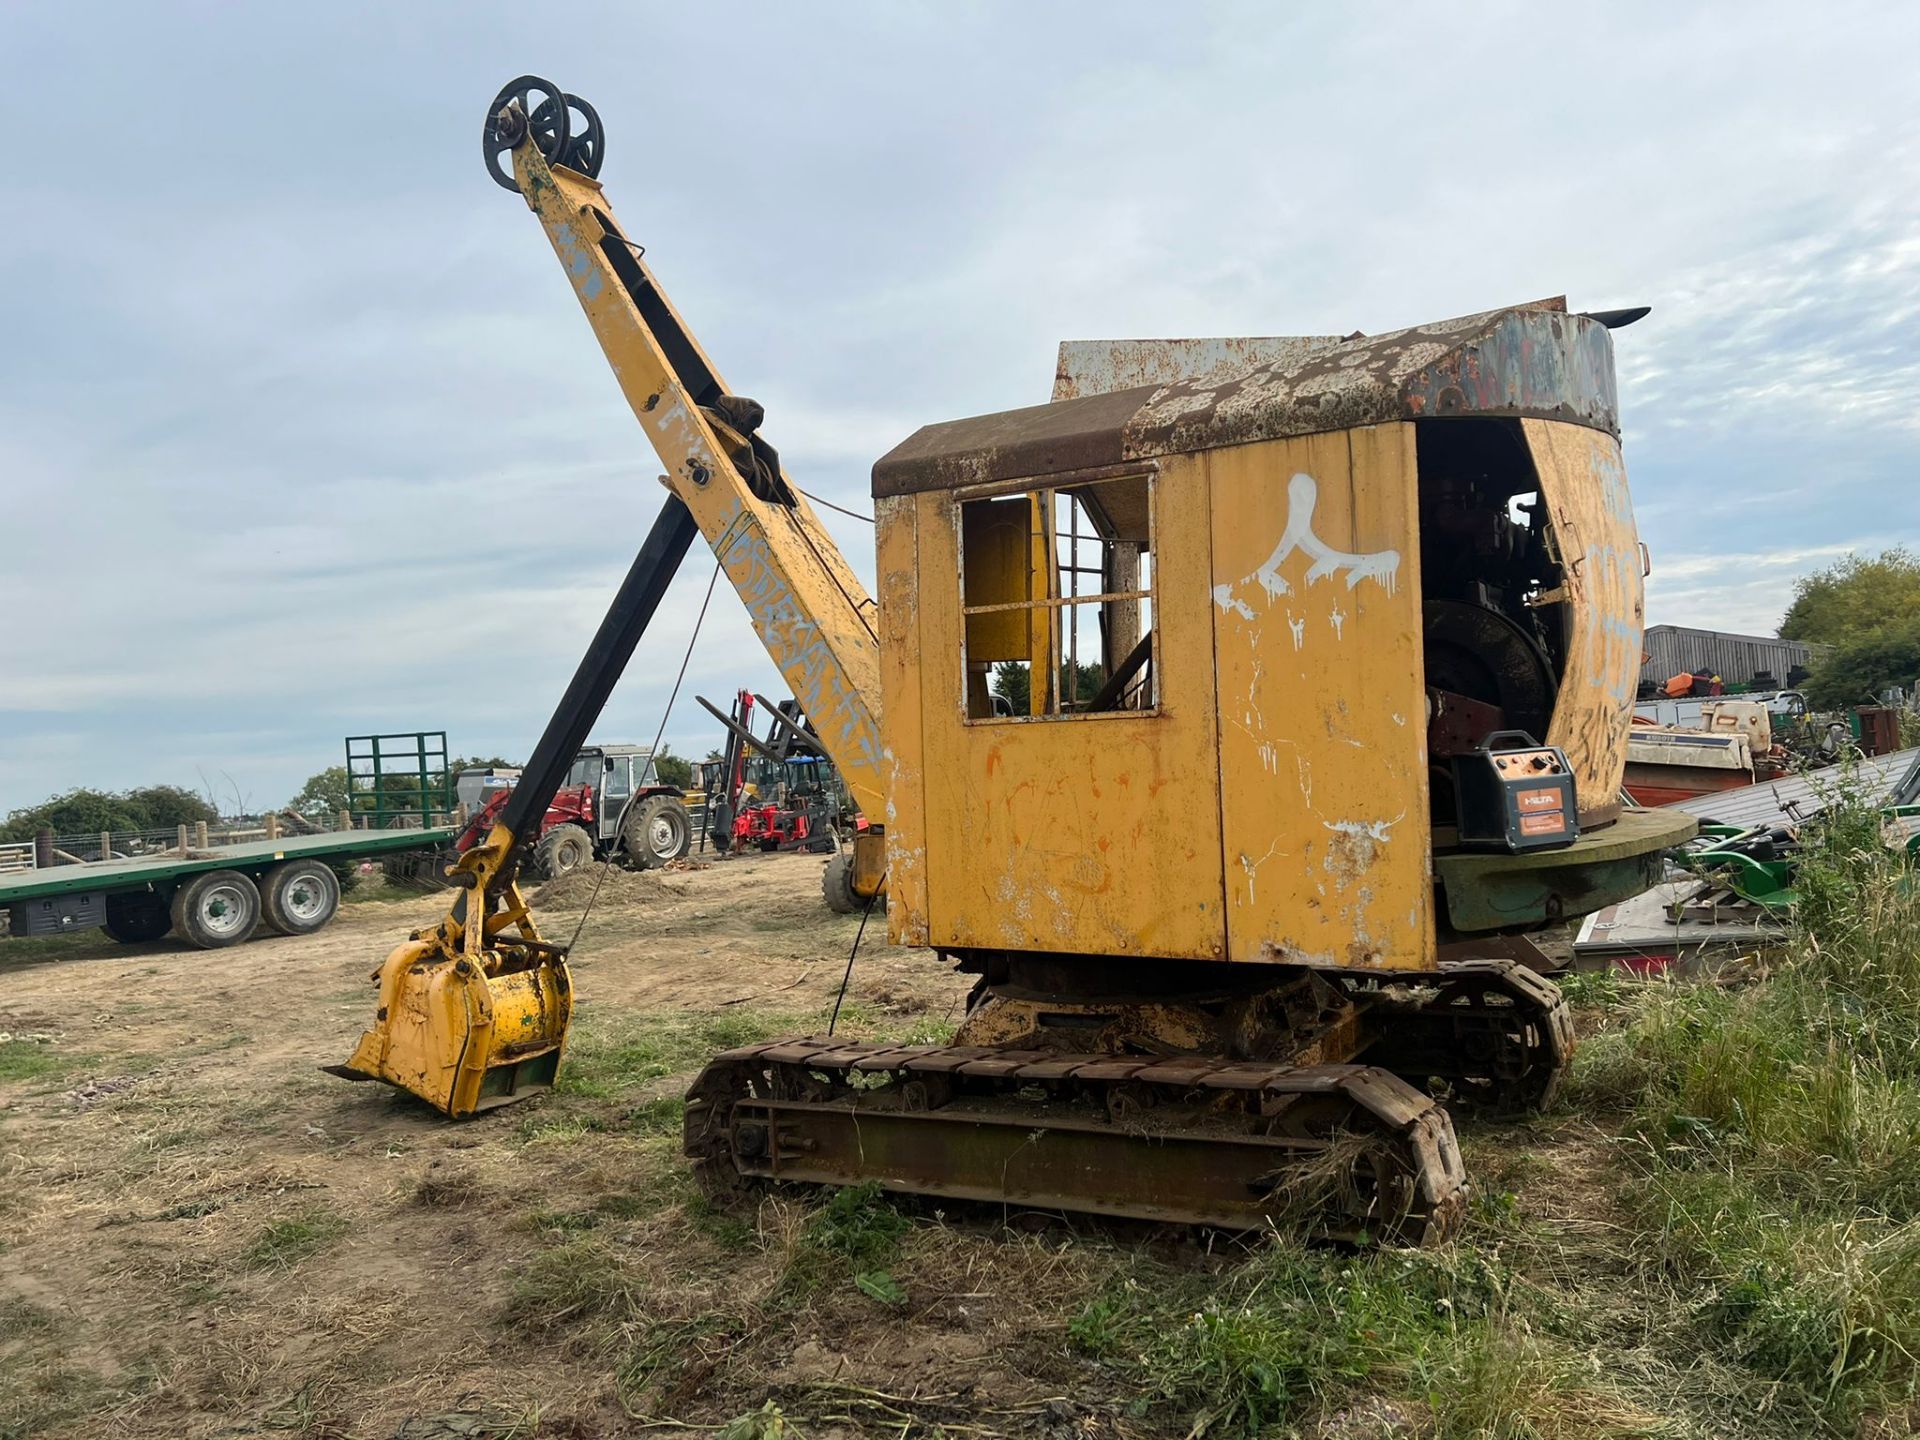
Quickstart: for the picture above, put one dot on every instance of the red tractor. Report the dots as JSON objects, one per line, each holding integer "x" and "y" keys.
{"x": 611, "y": 806}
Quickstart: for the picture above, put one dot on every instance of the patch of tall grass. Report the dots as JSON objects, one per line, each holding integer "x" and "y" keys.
{"x": 1776, "y": 1126}
{"x": 1450, "y": 1336}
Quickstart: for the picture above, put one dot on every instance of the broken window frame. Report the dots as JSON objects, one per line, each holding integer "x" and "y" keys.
{"x": 1065, "y": 640}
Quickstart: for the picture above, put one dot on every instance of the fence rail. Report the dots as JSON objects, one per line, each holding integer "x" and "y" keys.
{"x": 132, "y": 844}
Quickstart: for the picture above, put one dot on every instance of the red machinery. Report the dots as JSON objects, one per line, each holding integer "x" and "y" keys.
{"x": 612, "y": 806}
{"x": 780, "y": 793}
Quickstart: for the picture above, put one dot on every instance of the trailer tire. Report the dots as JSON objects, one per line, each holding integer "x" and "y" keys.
{"x": 298, "y": 897}
{"x": 658, "y": 829}
{"x": 563, "y": 849}
{"x": 215, "y": 909}
{"x": 135, "y": 917}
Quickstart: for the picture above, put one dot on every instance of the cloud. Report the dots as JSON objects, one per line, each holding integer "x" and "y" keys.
{"x": 302, "y": 435}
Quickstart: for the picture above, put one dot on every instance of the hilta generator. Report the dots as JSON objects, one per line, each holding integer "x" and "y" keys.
{"x": 1233, "y": 959}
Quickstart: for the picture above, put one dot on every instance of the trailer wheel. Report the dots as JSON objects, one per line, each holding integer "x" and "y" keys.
{"x": 658, "y": 830}
{"x": 218, "y": 908}
{"x": 135, "y": 917}
{"x": 297, "y": 897}
{"x": 562, "y": 849}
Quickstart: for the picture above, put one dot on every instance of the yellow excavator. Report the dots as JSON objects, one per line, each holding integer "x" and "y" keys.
{"x": 1233, "y": 717}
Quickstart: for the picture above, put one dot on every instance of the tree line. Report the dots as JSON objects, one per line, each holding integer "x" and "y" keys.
{"x": 1868, "y": 609}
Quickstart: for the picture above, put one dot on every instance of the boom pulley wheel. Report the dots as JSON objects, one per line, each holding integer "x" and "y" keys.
{"x": 509, "y": 122}
{"x": 586, "y": 142}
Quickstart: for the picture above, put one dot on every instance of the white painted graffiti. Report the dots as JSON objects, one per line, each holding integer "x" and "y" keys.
{"x": 1303, "y": 497}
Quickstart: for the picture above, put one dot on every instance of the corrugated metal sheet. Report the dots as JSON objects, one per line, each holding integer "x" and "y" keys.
{"x": 1777, "y": 801}
{"x": 1736, "y": 659}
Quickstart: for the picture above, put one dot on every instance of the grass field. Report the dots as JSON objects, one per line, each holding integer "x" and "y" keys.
{"x": 1714, "y": 1234}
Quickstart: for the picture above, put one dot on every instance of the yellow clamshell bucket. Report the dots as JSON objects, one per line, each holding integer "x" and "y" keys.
{"x": 468, "y": 1023}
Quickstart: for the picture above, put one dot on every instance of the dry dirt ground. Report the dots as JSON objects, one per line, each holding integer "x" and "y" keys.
{"x": 203, "y": 1235}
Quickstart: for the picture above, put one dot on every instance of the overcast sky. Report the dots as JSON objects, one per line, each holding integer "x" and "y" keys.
{"x": 302, "y": 433}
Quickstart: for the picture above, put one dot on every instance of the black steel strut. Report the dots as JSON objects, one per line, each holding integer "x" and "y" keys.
{"x": 600, "y": 669}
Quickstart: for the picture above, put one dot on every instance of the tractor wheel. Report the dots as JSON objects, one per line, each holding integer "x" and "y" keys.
{"x": 135, "y": 917}
{"x": 563, "y": 849}
{"x": 218, "y": 908}
{"x": 836, "y": 883}
{"x": 658, "y": 829}
{"x": 298, "y": 897}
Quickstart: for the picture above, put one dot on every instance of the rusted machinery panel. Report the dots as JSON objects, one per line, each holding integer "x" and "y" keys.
{"x": 1316, "y": 610}
{"x": 897, "y": 559}
{"x": 1584, "y": 485}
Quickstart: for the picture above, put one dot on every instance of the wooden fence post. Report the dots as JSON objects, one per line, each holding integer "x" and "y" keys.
{"x": 183, "y": 839}
{"x": 200, "y": 835}
{"x": 106, "y": 845}
{"x": 273, "y": 825}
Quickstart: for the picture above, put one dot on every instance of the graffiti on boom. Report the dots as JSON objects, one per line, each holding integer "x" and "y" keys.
{"x": 798, "y": 647}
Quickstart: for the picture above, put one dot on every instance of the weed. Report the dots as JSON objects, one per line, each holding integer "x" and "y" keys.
{"x": 728, "y": 1231}
{"x": 622, "y": 1206}
{"x": 859, "y": 1225}
{"x": 857, "y": 1232}
{"x": 541, "y": 1129}
{"x": 191, "y": 1210}
{"x": 671, "y": 1352}
{"x": 446, "y": 1192}
{"x": 31, "y": 1060}
{"x": 1591, "y": 989}
{"x": 36, "y": 1396}
{"x": 881, "y": 1286}
{"x": 572, "y": 1282}
{"x": 652, "y": 1047}
{"x": 1246, "y": 1349}
{"x": 286, "y": 1243}
{"x": 565, "y": 1222}
{"x": 18, "y": 1316}
{"x": 663, "y": 1116}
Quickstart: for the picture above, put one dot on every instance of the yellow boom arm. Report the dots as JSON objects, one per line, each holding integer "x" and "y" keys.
{"x": 810, "y": 610}
{"x": 474, "y": 1012}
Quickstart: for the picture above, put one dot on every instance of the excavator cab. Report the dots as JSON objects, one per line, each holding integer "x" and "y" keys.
{"x": 1261, "y": 616}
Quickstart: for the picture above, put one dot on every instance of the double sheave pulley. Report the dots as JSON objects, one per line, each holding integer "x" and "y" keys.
{"x": 565, "y": 127}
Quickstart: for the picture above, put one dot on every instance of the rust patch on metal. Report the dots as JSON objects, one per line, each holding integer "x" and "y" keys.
{"x": 1100, "y": 367}
{"x": 1534, "y": 361}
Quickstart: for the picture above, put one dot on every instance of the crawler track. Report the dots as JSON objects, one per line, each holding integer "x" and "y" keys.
{"x": 1492, "y": 1032}
{"x": 1348, "y": 1151}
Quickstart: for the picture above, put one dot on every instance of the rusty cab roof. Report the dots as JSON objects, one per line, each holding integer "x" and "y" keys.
{"x": 1531, "y": 359}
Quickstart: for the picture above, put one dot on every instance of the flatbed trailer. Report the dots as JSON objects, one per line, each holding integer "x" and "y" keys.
{"x": 206, "y": 896}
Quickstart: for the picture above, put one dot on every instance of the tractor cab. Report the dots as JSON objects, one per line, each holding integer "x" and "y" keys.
{"x": 608, "y": 777}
